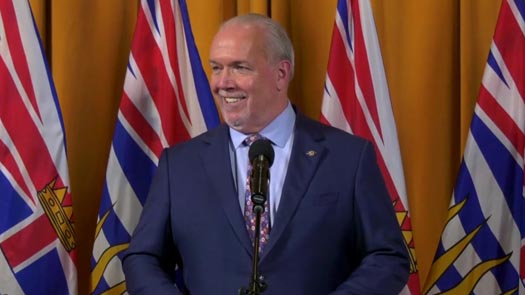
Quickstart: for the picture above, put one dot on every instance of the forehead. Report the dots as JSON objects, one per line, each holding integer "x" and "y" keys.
{"x": 237, "y": 39}
{"x": 238, "y": 30}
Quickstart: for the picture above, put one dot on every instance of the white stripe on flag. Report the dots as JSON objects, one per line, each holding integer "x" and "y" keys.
{"x": 332, "y": 105}
{"x": 8, "y": 282}
{"x": 125, "y": 208}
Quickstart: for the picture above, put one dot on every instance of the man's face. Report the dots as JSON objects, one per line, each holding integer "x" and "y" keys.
{"x": 251, "y": 92}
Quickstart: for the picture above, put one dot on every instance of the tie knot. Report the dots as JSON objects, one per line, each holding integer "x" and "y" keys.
{"x": 252, "y": 138}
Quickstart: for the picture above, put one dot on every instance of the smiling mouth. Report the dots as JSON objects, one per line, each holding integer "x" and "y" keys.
{"x": 232, "y": 99}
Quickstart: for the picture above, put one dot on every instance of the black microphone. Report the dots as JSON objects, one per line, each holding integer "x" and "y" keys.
{"x": 261, "y": 156}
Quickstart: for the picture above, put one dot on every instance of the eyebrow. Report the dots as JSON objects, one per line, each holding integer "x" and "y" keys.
{"x": 233, "y": 63}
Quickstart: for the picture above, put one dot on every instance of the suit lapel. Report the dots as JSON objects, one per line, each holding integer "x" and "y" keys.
{"x": 216, "y": 157}
{"x": 306, "y": 155}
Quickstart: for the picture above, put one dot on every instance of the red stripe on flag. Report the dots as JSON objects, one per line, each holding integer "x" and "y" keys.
{"x": 339, "y": 71}
{"x": 511, "y": 43}
{"x": 501, "y": 119}
{"x": 24, "y": 134}
{"x": 341, "y": 74}
{"x": 171, "y": 42}
{"x": 16, "y": 49}
{"x": 362, "y": 67}
{"x": 140, "y": 125}
{"x": 28, "y": 241}
{"x": 151, "y": 64}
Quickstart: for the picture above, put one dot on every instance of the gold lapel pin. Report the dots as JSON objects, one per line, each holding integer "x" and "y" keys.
{"x": 311, "y": 153}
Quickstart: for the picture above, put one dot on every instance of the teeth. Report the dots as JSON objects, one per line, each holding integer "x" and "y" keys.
{"x": 231, "y": 99}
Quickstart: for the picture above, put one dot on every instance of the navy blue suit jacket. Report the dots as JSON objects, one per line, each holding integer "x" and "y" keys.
{"x": 334, "y": 232}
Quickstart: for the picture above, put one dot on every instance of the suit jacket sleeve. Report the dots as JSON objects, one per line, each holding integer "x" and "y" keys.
{"x": 150, "y": 260}
{"x": 384, "y": 265}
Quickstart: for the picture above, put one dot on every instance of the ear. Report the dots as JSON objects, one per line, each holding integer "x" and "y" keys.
{"x": 283, "y": 74}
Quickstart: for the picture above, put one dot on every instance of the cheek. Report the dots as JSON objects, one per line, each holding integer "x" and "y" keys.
{"x": 263, "y": 93}
{"x": 245, "y": 83}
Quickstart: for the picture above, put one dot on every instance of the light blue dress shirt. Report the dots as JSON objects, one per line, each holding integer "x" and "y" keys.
{"x": 280, "y": 133}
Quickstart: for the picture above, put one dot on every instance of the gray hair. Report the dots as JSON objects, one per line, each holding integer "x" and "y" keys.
{"x": 279, "y": 46}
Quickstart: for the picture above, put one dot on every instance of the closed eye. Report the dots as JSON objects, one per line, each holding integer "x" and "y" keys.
{"x": 215, "y": 69}
{"x": 241, "y": 67}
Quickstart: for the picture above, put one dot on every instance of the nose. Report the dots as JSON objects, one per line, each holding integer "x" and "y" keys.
{"x": 223, "y": 79}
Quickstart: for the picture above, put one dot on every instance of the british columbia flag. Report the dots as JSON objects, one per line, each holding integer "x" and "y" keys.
{"x": 37, "y": 237}
{"x": 166, "y": 99}
{"x": 356, "y": 99}
{"x": 482, "y": 245}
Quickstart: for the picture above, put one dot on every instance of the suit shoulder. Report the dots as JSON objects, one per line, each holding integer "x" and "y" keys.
{"x": 195, "y": 144}
{"x": 331, "y": 133}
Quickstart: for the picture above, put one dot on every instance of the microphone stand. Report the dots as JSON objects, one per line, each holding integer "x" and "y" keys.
{"x": 257, "y": 285}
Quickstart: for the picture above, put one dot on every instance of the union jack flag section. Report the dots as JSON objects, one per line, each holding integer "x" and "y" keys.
{"x": 356, "y": 100}
{"x": 481, "y": 249}
{"x": 37, "y": 237}
{"x": 166, "y": 99}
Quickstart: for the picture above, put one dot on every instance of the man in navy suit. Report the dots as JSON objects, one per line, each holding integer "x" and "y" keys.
{"x": 332, "y": 225}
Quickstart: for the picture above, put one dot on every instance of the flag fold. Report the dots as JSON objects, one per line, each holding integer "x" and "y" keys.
{"x": 481, "y": 246}
{"x": 37, "y": 235}
{"x": 356, "y": 99}
{"x": 166, "y": 99}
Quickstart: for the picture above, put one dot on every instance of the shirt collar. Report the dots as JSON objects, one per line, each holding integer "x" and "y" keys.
{"x": 278, "y": 131}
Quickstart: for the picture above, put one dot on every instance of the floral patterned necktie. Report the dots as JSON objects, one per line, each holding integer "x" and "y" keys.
{"x": 249, "y": 215}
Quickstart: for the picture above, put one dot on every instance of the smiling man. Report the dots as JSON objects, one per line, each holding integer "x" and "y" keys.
{"x": 249, "y": 77}
{"x": 329, "y": 225}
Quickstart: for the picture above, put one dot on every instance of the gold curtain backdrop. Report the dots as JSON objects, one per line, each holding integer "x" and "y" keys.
{"x": 434, "y": 53}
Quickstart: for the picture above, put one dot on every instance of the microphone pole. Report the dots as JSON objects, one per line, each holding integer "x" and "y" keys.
{"x": 261, "y": 156}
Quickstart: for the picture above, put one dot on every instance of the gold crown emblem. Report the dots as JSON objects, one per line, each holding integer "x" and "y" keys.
{"x": 60, "y": 216}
